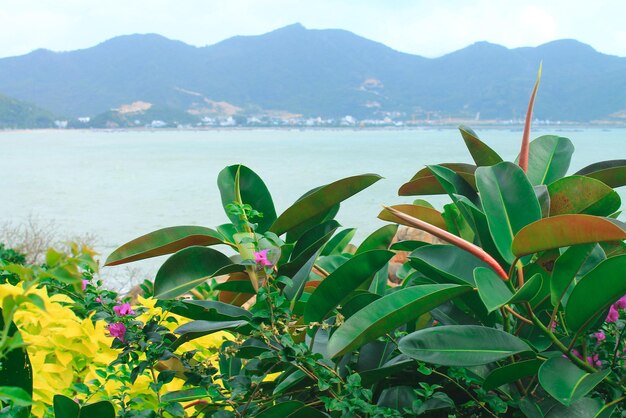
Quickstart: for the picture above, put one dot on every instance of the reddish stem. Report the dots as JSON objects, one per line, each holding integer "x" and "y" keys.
{"x": 452, "y": 239}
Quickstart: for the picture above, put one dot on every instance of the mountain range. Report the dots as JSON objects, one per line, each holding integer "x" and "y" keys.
{"x": 294, "y": 71}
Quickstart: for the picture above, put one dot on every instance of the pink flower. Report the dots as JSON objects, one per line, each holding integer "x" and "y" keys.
{"x": 260, "y": 257}
{"x": 599, "y": 336}
{"x": 85, "y": 283}
{"x": 621, "y": 303}
{"x": 123, "y": 310}
{"x": 117, "y": 330}
{"x": 613, "y": 315}
{"x": 594, "y": 360}
{"x": 98, "y": 299}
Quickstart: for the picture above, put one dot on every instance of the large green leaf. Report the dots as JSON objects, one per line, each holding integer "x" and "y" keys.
{"x": 584, "y": 408}
{"x": 454, "y": 184}
{"x": 196, "y": 329}
{"x": 388, "y": 313}
{"x": 612, "y": 172}
{"x": 549, "y": 158}
{"x": 321, "y": 200}
{"x": 461, "y": 345}
{"x": 290, "y": 409}
{"x": 565, "y": 230}
{"x": 509, "y": 202}
{"x": 314, "y": 239}
{"x": 423, "y": 213}
{"x": 252, "y": 192}
{"x": 565, "y": 382}
{"x": 164, "y": 241}
{"x": 448, "y": 261}
{"x": 398, "y": 398}
{"x": 16, "y": 369}
{"x": 378, "y": 240}
{"x": 510, "y": 373}
{"x": 595, "y": 292}
{"x": 189, "y": 268}
{"x": 102, "y": 409}
{"x": 65, "y": 407}
{"x": 425, "y": 183}
{"x": 492, "y": 290}
{"x": 482, "y": 154}
{"x": 579, "y": 194}
{"x": 342, "y": 282}
{"x": 570, "y": 267}
{"x": 209, "y": 310}
{"x": 337, "y": 244}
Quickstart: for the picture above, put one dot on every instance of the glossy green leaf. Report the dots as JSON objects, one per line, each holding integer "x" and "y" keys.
{"x": 595, "y": 292}
{"x": 253, "y": 192}
{"x": 548, "y": 159}
{"x": 388, "y": 313}
{"x": 102, "y": 409}
{"x": 492, "y": 290}
{"x": 584, "y": 408}
{"x": 510, "y": 373}
{"x": 423, "y": 213}
{"x": 288, "y": 382}
{"x": 570, "y": 267}
{"x": 185, "y": 395}
{"x": 482, "y": 154}
{"x": 543, "y": 197}
{"x": 578, "y": 194}
{"x": 565, "y": 382}
{"x": 397, "y": 398}
{"x": 454, "y": 184}
{"x": 357, "y": 302}
{"x": 425, "y": 183}
{"x": 196, "y": 329}
{"x": 342, "y": 282}
{"x": 565, "y": 230}
{"x": 531, "y": 290}
{"x": 314, "y": 239}
{"x": 337, "y": 244}
{"x": 209, "y": 310}
{"x": 447, "y": 261}
{"x": 378, "y": 240}
{"x": 612, "y": 172}
{"x": 164, "y": 241}
{"x": 509, "y": 202}
{"x": 16, "y": 397}
{"x": 65, "y": 407}
{"x": 321, "y": 200}
{"x": 299, "y": 273}
{"x": 189, "y": 268}
{"x": 291, "y": 409}
{"x": 408, "y": 245}
{"x": 461, "y": 345}
{"x": 16, "y": 370}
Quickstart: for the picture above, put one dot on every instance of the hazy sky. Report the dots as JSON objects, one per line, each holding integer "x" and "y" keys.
{"x": 429, "y": 28}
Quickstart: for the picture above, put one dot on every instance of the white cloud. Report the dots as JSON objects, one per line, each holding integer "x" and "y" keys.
{"x": 429, "y": 28}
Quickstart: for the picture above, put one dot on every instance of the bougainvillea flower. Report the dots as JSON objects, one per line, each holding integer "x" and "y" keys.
{"x": 594, "y": 360}
{"x": 123, "y": 309}
{"x": 613, "y": 315}
{"x": 117, "y": 330}
{"x": 621, "y": 303}
{"x": 85, "y": 283}
{"x": 260, "y": 257}
{"x": 599, "y": 336}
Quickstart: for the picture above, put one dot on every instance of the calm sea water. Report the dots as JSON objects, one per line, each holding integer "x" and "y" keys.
{"x": 119, "y": 185}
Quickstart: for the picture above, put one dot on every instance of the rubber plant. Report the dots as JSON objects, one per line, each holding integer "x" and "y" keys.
{"x": 503, "y": 319}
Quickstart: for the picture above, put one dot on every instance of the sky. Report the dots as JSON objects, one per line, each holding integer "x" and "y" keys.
{"x": 429, "y": 28}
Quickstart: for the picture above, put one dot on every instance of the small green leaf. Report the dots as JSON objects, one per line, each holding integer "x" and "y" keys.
{"x": 565, "y": 382}
{"x": 570, "y": 267}
{"x": 379, "y": 239}
{"x": 15, "y": 395}
{"x": 482, "y": 154}
{"x": 423, "y": 213}
{"x": 492, "y": 290}
{"x": 185, "y": 395}
{"x": 102, "y": 409}
{"x": 425, "y": 183}
{"x": 612, "y": 172}
{"x": 461, "y": 345}
{"x": 337, "y": 244}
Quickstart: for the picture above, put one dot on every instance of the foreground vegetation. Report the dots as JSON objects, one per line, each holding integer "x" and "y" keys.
{"x": 517, "y": 311}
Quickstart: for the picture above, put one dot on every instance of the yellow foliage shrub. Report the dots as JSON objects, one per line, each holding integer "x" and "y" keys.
{"x": 65, "y": 349}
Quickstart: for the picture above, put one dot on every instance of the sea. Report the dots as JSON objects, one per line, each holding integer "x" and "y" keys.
{"x": 117, "y": 185}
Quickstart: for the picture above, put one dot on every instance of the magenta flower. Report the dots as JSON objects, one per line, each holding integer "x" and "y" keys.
{"x": 613, "y": 315}
{"x": 599, "y": 336}
{"x": 98, "y": 299}
{"x": 594, "y": 360}
{"x": 123, "y": 310}
{"x": 260, "y": 257}
{"x": 85, "y": 283}
{"x": 621, "y": 303}
{"x": 117, "y": 330}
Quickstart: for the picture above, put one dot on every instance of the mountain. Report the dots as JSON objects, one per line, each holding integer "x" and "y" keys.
{"x": 327, "y": 73}
{"x": 15, "y": 114}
